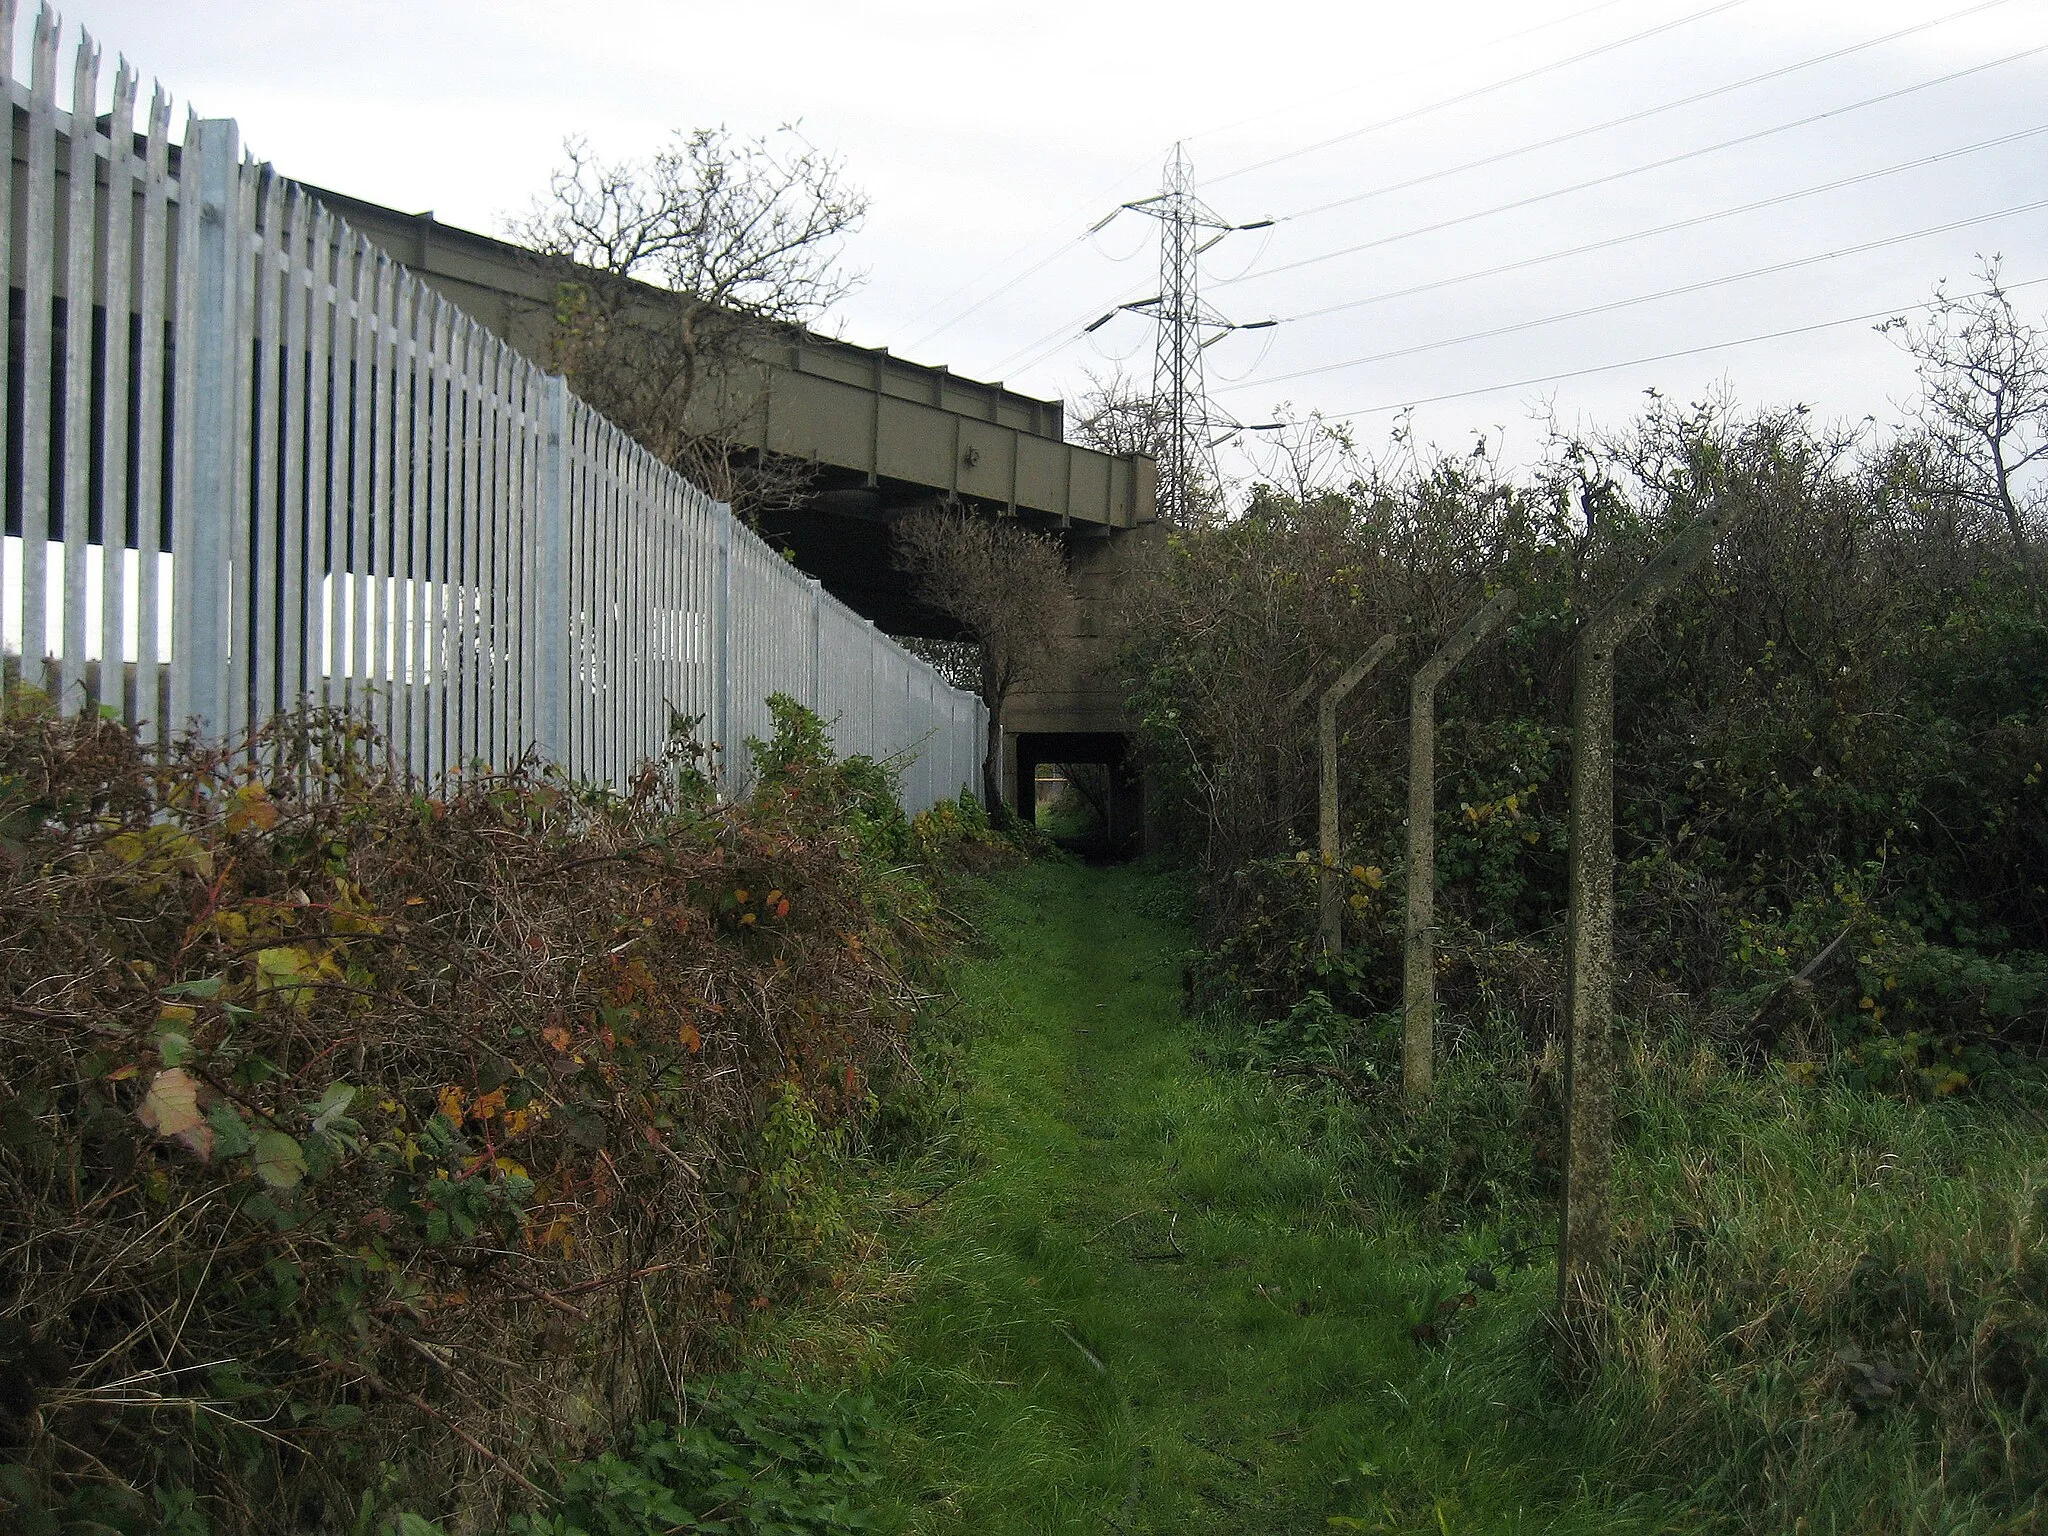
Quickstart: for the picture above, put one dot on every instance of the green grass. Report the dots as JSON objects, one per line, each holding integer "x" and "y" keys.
{"x": 1139, "y": 1296}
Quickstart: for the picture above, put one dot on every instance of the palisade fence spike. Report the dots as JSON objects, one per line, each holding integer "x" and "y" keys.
{"x": 1418, "y": 957}
{"x": 1585, "y": 1226}
{"x": 1330, "y": 892}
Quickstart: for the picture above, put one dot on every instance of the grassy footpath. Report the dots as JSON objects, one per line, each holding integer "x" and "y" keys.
{"x": 1143, "y": 1301}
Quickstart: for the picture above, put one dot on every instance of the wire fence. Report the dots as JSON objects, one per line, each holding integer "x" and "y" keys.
{"x": 267, "y": 466}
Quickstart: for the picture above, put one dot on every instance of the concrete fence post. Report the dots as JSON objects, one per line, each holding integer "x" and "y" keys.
{"x": 1330, "y": 893}
{"x": 1418, "y": 958}
{"x": 1585, "y": 1227}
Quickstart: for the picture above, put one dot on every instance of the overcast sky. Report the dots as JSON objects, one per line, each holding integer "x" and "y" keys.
{"x": 990, "y": 137}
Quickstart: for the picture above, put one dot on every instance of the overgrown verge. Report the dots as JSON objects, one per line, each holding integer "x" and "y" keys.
{"x": 369, "y": 1157}
{"x": 1827, "y": 1300}
{"x": 1829, "y": 1306}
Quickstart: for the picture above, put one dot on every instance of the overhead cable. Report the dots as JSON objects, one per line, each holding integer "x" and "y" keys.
{"x": 1065, "y": 220}
{"x": 1647, "y": 112}
{"x": 1693, "y": 222}
{"x": 1044, "y": 346}
{"x": 1665, "y": 357}
{"x": 1065, "y": 246}
{"x": 1650, "y": 298}
{"x": 1655, "y": 165}
{"x": 1485, "y": 90}
{"x": 1064, "y": 332}
{"x": 1459, "y": 53}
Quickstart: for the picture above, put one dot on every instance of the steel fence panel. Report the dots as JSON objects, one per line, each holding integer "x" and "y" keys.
{"x": 371, "y": 502}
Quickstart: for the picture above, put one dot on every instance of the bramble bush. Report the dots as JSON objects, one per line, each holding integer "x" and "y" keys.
{"x": 369, "y": 1149}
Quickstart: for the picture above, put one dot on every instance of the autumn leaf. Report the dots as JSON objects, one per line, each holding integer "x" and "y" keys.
{"x": 172, "y": 1111}
{"x": 451, "y": 1104}
{"x": 691, "y": 1040}
{"x": 517, "y": 1120}
{"x": 250, "y": 808}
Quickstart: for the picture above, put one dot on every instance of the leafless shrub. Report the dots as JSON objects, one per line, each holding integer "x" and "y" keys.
{"x": 673, "y": 271}
{"x": 1006, "y": 588}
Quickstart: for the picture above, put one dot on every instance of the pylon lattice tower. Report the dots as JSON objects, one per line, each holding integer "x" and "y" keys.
{"x": 1186, "y": 329}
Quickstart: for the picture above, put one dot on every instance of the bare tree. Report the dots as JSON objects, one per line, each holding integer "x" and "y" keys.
{"x": 1007, "y": 589}
{"x": 1983, "y": 407}
{"x": 1119, "y": 415}
{"x": 1306, "y": 457}
{"x": 673, "y": 270}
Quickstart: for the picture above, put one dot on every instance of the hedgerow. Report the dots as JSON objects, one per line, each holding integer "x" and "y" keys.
{"x": 364, "y": 1149}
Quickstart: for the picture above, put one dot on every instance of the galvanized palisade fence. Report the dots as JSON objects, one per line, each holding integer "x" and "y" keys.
{"x": 268, "y": 466}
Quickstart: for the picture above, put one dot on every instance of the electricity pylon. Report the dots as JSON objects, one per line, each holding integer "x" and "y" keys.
{"x": 1186, "y": 329}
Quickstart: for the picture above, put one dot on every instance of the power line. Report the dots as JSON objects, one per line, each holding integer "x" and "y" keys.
{"x": 1693, "y": 222}
{"x": 1649, "y": 298}
{"x": 1066, "y": 246}
{"x": 1485, "y": 90}
{"x": 1665, "y": 357}
{"x": 1654, "y": 165}
{"x": 1051, "y": 341}
{"x": 1065, "y": 220}
{"x": 1185, "y": 328}
{"x": 1647, "y": 112}
{"x": 1460, "y": 53}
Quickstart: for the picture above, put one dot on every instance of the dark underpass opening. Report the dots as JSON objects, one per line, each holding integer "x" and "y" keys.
{"x": 1082, "y": 789}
